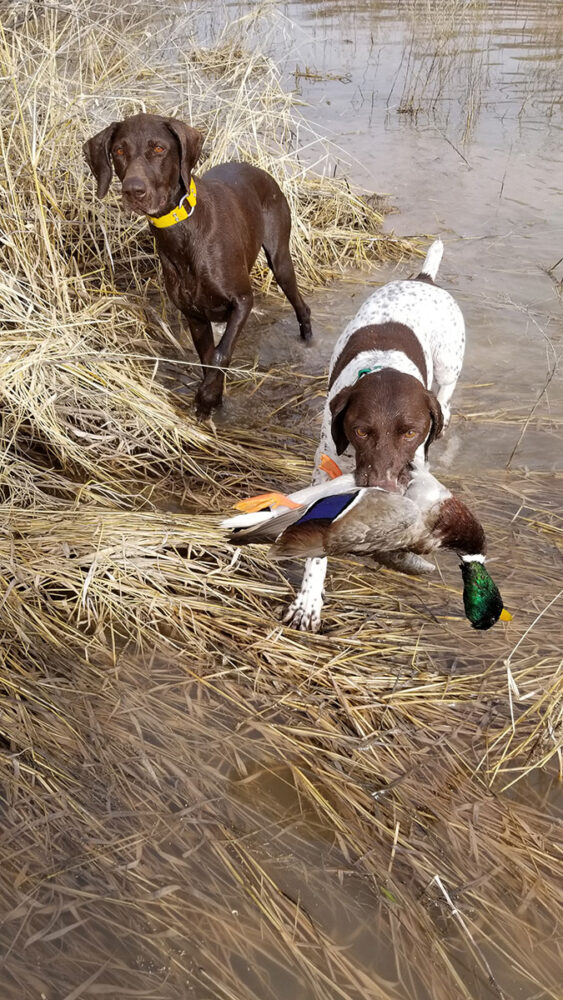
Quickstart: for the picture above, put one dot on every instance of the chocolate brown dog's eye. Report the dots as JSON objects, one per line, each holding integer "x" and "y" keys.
{"x": 361, "y": 432}
{"x": 409, "y": 435}
{"x": 159, "y": 149}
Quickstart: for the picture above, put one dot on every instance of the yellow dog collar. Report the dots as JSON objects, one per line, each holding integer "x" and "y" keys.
{"x": 177, "y": 214}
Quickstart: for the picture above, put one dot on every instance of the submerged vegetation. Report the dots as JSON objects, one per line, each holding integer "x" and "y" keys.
{"x": 450, "y": 49}
{"x": 197, "y": 801}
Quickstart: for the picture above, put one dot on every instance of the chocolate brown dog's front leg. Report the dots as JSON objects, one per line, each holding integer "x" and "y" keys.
{"x": 202, "y": 336}
{"x": 210, "y": 392}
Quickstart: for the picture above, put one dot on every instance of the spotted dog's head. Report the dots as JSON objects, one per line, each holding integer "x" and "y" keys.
{"x": 385, "y": 417}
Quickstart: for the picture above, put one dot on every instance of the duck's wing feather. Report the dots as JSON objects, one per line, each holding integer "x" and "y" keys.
{"x": 368, "y": 521}
{"x": 325, "y": 509}
{"x": 377, "y": 522}
{"x": 332, "y": 487}
{"x": 304, "y": 497}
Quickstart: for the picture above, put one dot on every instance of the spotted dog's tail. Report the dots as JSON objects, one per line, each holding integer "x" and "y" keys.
{"x": 432, "y": 261}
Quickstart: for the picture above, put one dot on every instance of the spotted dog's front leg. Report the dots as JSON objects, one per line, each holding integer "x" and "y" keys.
{"x": 444, "y": 395}
{"x": 305, "y": 612}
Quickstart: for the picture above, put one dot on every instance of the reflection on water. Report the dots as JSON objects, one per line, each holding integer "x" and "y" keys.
{"x": 491, "y": 191}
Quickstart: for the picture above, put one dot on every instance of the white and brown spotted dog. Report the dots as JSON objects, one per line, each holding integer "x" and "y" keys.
{"x": 381, "y": 414}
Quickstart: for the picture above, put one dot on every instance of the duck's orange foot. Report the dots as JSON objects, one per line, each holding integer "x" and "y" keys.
{"x": 253, "y": 504}
{"x": 329, "y": 466}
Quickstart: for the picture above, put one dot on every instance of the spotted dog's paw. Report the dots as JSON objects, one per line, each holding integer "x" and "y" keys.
{"x": 304, "y": 614}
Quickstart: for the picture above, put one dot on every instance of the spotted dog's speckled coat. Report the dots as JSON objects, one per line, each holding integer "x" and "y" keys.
{"x": 430, "y": 347}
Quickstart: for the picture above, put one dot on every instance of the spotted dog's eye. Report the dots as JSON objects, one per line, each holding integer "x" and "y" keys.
{"x": 119, "y": 151}
{"x": 361, "y": 432}
{"x": 409, "y": 435}
{"x": 159, "y": 149}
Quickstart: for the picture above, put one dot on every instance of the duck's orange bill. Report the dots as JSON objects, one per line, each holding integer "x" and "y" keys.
{"x": 329, "y": 466}
{"x": 254, "y": 504}
{"x": 505, "y": 616}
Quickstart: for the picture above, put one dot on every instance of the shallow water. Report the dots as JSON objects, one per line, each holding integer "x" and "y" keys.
{"x": 473, "y": 156}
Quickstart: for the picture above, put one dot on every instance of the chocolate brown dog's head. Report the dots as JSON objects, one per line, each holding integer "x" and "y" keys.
{"x": 385, "y": 416}
{"x": 152, "y": 156}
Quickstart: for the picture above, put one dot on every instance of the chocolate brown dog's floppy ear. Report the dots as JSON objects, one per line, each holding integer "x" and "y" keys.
{"x": 191, "y": 142}
{"x": 96, "y": 151}
{"x": 338, "y": 409}
{"x": 437, "y": 421}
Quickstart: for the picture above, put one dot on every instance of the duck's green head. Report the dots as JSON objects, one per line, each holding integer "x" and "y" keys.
{"x": 481, "y": 596}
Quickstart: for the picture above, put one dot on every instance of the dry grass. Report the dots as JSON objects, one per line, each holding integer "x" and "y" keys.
{"x": 447, "y": 53}
{"x": 197, "y": 801}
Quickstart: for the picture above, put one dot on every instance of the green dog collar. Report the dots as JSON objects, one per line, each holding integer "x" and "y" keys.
{"x": 368, "y": 371}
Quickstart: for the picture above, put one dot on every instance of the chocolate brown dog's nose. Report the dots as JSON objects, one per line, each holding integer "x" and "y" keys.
{"x": 133, "y": 187}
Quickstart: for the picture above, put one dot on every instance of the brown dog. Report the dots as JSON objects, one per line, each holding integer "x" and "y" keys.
{"x": 208, "y": 249}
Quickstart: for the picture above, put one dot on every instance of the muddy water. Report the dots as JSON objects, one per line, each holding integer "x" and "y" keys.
{"x": 468, "y": 143}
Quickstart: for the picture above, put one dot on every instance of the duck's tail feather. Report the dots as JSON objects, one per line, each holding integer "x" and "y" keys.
{"x": 241, "y": 523}
{"x": 259, "y": 528}
{"x": 432, "y": 260}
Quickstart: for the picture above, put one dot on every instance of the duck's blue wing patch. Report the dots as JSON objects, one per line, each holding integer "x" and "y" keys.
{"x": 328, "y": 508}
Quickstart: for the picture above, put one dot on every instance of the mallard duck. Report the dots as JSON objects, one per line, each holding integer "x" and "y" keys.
{"x": 339, "y": 518}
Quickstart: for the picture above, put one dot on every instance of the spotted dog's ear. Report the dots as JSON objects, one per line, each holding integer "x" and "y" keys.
{"x": 190, "y": 141}
{"x": 338, "y": 407}
{"x": 96, "y": 151}
{"x": 437, "y": 421}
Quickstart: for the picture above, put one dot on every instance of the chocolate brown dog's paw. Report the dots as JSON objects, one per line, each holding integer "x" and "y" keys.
{"x": 305, "y": 324}
{"x": 208, "y": 397}
{"x": 204, "y": 408}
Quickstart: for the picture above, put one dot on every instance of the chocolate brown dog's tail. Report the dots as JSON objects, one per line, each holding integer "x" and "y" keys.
{"x": 432, "y": 262}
